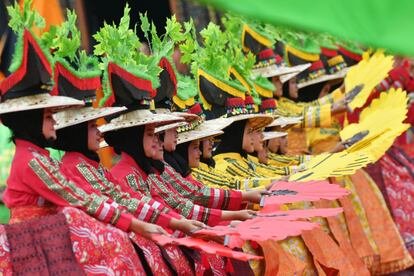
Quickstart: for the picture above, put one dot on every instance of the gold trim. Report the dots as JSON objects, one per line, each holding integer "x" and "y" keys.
{"x": 183, "y": 104}
{"x": 265, "y": 93}
{"x": 220, "y": 84}
{"x": 263, "y": 40}
{"x": 206, "y": 105}
{"x": 301, "y": 54}
{"x": 335, "y": 60}
{"x": 239, "y": 77}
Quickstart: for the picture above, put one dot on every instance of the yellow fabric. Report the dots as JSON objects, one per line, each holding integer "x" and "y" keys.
{"x": 393, "y": 254}
{"x": 296, "y": 142}
{"x": 313, "y": 114}
{"x": 317, "y": 116}
{"x": 284, "y": 160}
{"x": 233, "y": 165}
{"x": 215, "y": 178}
{"x": 266, "y": 170}
{"x": 297, "y": 248}
{"x": 322, "y": 140}
{"x": 331, "y": 98}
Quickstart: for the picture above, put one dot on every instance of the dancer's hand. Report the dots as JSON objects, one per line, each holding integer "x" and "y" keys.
{"x": 146, "y": 229}
{"x": 186, "y": 226}
{"x": 254, "y": 196}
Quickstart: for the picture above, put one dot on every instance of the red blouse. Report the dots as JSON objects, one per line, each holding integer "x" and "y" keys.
{"x": 198, "y": 193}
{"x": 130, "y": 174}
{"x": 37, "y": 180}
{"x": 100, "y": 180}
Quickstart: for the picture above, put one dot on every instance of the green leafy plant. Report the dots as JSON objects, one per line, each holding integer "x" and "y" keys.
{"x": 186, "y": 87}
{"x": 162, "y": 46}
{"x": 25, "y": 17}
{"x": 22, "y": 18}
{"x": 120, "y": 44}
{"x": 65, "y": 43}
{"x": 265, "y": 83}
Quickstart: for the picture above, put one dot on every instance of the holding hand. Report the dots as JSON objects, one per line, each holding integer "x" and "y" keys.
{"x": 186, "y": 226}
{"x": 254, "y": 196}
{"x": 146, "y": 229}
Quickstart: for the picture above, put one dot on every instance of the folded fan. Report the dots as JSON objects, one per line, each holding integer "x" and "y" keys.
{"x": 271, "y": 225}
{"x": 290, "y": 192}
{"x": 208, "y": 247}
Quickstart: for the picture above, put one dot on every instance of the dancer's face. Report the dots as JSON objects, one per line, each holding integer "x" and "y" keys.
{"x": 274, "y": 145}
{"x": 170, "y": 140}
{"x": 208, "y": 147}
{"x": 149, "y": 141}
{"x": 293, "y": 89}
{"x": 258, "y": 140}
{"x": 248, "y": 144}
{"x": 48, "y": 128}
{"x": 262, "y": 154}
{"x": 159, "y": 146}
{"x": 194, "y": 154}
{"x": 279, "y": 87}
{"x": 94, "y": 136}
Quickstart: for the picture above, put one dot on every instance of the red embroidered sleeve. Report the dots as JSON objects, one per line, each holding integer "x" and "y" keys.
{"x": 134, "y": 203}
{"x": 182, "y": 205}
{"x": 47, "y": 180}
{"x": 200, "y": 194}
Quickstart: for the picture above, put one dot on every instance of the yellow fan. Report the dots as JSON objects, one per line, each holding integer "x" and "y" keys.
{"x": 332, "y": 164}
{"x": 370, "y": 72}
{"x": 377, "y": 148}
{"x": 385, "y": 112}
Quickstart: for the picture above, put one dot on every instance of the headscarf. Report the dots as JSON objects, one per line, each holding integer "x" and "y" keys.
{"x": 311, "y": 92}
{"x": 178, "y": 159}
{"x": 75, "y": 139}
{"x": 27, "y": 125}
{"x": 130, "y": 140}
{"x": 285, "y": 90}
{"x": 232, "y": 139}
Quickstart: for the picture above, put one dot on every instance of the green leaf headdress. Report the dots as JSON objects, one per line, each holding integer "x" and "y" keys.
{"x": 28, "y": 85}
{"x": 29, "y": 75}
{"x": 162, "y": 48}
{"x": 120, "y": 45}
{"x": 75, "y": 73}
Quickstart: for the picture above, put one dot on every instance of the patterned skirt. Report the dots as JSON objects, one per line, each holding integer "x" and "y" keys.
{"x": 97, "y": 248}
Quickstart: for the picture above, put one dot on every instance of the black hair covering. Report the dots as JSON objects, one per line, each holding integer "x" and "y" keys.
{"x": 311, "y": 92}
{"x": 232, "y": 139}
{"x": 178, "y": 159}
{"x": 130, "y": 140}
{"x": 27, "y": 125}
{"x": 75, "y": 139}
{"x": 285, "y": 90}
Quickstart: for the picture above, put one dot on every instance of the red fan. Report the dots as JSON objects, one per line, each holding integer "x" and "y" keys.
{"x": 289, "y": 192}
{"x": 276, "y": 225}
{"x": 301, "y": 214}
{"x": 261, "y": 229}
{"x": 208, "y": 247}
